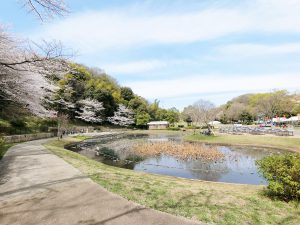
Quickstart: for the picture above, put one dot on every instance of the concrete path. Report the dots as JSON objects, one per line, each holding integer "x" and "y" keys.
{"x": 37, "y": 187}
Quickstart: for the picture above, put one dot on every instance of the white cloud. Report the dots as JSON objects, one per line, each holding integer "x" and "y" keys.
{"x": 126, "y": 27}
{"x": 256, "y": 50}
{"x": 134, "y": 67}
{"x": 92, "y": 31}
{"x": 191, "y": 85}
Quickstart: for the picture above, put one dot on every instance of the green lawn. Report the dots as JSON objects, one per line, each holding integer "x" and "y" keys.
{"x": 287, "y": 143}
{"x": 217, "y": 203}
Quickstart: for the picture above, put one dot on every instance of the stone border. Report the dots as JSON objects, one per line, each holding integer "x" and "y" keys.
{"x": 26, "y": 137}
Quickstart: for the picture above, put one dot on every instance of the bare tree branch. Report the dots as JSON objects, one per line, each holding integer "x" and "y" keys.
{"x": 45, "y": 8}
{"x": 26, "y": 67}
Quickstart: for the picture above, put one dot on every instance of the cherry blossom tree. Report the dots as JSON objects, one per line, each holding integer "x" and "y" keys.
{"x": 25, "y": 71}
{"x": 26, "y": 66}
{"x": 58, "y": 108}
{"x": 45, "y": 8}
{"x": 90, "y": 110}
{"x": 122, "y": 117}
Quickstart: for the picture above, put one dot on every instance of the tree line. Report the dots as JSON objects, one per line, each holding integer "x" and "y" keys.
{"x": 40, "y": 79}
{"x": 249, "y": 108}
{"x": 90, "y": 95}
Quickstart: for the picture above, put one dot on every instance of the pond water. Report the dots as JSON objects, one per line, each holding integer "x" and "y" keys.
{"x": 237, "y": 166}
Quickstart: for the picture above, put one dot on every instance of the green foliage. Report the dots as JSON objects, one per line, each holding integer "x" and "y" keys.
{"x": 296, "y": 109}
{"x": 142, "y": 119}
{"x": 276, "y": 103}
{"x": 154, "y": 110}
{"x": 138, "y": 104}
{"x": 26, "y": 125}
{"x": 157, "y": 113}
{"x": 194, "y": 127}
{"x": 109, "y": 102}
{"x": 35, "y": 124}
{"x": 134, "y": 158}
{"x": 3, "y": 147}
{"x": 246, "y": 118}
{"x": 249, "y": 107}
{"x": 18, "y": 123}
{"x": 83, "y": 82}
{"x": 126, "y": 93}
{"x": 4, "y": 123}
{"x": 174, "y": 128}
{"x": 79, "y": 72}
{"x": 172, "y": 115}
{"x": 283, "y": 175}
{"x": 108, "y": 153}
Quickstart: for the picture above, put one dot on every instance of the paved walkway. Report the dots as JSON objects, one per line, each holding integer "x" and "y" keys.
{"x": 37, "y": 187}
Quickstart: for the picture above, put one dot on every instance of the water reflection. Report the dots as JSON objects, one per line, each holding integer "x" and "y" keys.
{"x": 238, "y": 165}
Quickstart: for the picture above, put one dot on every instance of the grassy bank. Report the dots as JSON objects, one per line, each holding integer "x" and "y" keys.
{"x": 292, "y": 144}
{"x": 3, "y": 148}
{"x": 217, "y": 203}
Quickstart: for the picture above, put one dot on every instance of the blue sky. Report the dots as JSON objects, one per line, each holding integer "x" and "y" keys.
{"x": 178, "y": 51}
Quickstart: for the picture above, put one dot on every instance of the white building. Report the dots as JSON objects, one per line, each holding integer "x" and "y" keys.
{"x": 158, "y": 125}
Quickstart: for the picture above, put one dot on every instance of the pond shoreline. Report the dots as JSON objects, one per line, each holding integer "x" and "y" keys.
{"x": 186, "y": 138}
{"x": 196, "y": 139}
{"x": 237, "y": 164}
{"x": 72, "y": 143}
{"x": 241, "y": 145}
{"x": 184, "y": 197}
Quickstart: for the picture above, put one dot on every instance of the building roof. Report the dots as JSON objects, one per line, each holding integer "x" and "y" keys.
{"x": 158, "y": 123}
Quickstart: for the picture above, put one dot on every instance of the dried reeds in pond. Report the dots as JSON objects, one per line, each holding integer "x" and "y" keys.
{"x": 179, "y": 150}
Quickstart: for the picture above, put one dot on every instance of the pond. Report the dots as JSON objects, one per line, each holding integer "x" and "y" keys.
{"x": 237, "y": 165}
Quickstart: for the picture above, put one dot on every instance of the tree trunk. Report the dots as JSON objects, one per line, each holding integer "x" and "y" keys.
{"x": 211, "y": 132}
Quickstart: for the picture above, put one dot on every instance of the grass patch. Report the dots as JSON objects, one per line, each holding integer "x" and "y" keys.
{"x": 286, "y": 143}
{"x": 81, "y": 137}
{"x": 216, "y": 203}
{"x": 3, "y": 149}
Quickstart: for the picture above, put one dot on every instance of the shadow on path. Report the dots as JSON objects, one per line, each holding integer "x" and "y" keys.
{"x": 41, "y": 185}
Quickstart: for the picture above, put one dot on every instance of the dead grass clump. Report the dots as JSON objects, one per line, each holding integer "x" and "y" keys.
{"x": 179, "y": 150}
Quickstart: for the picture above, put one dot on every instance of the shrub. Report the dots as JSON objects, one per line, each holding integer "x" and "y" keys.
{"x": 193, "y": 127}
{"x": 2, "y": 142}
{"x": 134, "y": 158}
{"x": 4, "y": 123}
{"x": 283, "y": 174}
{"x": 3, "y": 147}
{"x": 43, "y": 128}
{"x": 108, "y": 153}
{"x": 173, "y": 128}
{"x": 18, "y": 123}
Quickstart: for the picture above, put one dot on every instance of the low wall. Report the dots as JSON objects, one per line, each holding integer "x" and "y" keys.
{"x": 26, "y": 137}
